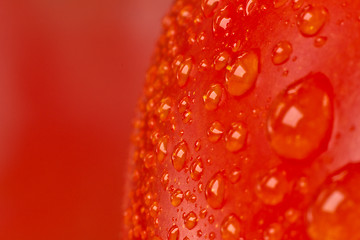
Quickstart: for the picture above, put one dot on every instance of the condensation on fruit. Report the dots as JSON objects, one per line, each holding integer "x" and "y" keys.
{"x": 273, "y": 232}
{"x": 235, "y": 137}
{"x": 161, "y": 149}
{"x": 215, "y": 191}
{"x": 164, "y": 108}
{"x": 279, "y": 3}
{"x": 242, "y": 74}
{"x": 231, "y": 228}
{"x": 272, "y": 187}
{"x": 208, "y": 6}
{"x": 215, "y": 132}
{"x": 212, "y": 97}
{"x": 335, "y": 213}
{"x": 196, "y": 169}
{"x": 312, "y": 19}
{"x": 281, "y": 52}
{"x": 190, "y": 220}
{"x": 165, "y": 180}
{"x": 300, "y": 119}
{"x": 184, "y": 72}
{"x": 234, "y": 175}
{"x": 320, "y": 41}
{"x": 174, "y": 233}
{"x": 179, "y": 156}
{"x": 222, "y": 22}
{"x": 176, "y": 197}
{"x": 221, "y": 60}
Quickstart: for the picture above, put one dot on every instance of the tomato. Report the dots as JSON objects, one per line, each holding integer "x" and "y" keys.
{"x": 249, "y": 125}
{"x": 68, "y": 92}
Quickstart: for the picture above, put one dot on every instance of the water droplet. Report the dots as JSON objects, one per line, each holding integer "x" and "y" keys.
{"x": 231, "y": 228}
{"x": 251, "y": 6}
{"x": 234, "y": 175}
{"x": 161, "y": 149}
{"x": 221, "y": 60}
{"x": 208, "y": 6}
{"x": 301, "y": 117}
{"x": 222, "y": 22}
{"x": 281, "y": 52}
{"x": 176, "y": 197}
{"x": 154, "y": 210}
{"x": 279, "y": 3}
{"x": 273, "y": 232}
{"x": 184, "y": 104}
{"x": 179, "y": 156}
{"x": 215, "y": 191}
{"x": 197, "y": 145}
{"x": 311, "y": 20}
{"x": 203, "y": 65}
{"x": 215, "y": 132}
{"x": 272, "y": 187}
{"x": 335, "y": 213}
{"x": 212, "y": 97}
{"x": 212, "y": 236}
{"x": 174, "y": 233}
{"x": 199, "y": 233}
{"x": 211, "y": 219}
{"x": 292, "y": 215}
{"x": 241, "y": 76}
{"x": 165, "y": 180}
{"x": 196, "y": 169}
{"x": 149, "y": 160}
{"x": 203, "y": 213}
{"x": 320, "y": 41}
{"x": 297, "y": 4}
{"x": 184, "y": 72}
{"x": 187, "y": 116}
{"x": 190, "y": 220}
{"x": 164, "y": 108}
{"x": 235, "y": 138}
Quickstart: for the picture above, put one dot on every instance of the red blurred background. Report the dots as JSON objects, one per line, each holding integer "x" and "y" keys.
{"x": 70, "y": 74}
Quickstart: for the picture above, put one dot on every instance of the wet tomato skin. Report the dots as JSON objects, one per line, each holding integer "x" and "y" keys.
{"x": 261, "y": 126}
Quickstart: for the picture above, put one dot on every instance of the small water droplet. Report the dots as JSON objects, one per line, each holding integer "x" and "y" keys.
{"x": 281, "y": 52}
{"x": 292, "y": 215}
{"x": 215, "y": 191}
{"x": 297, "y": 4}
{"x": 165, "y": 180}
{"x": 234, "y": 175}
{"x": 335, "y": 213}
{"x": 179, "y": 156}
{"x": 184, "y": 104}
{"x": 176, "y": 197}
{"x": 164, "y": 108}
{"x": 196, "y": 169}
{"x": 272, "y": 187}
{"x": 161, "y": 149}
{"x": 199, "y": 233}
{"x": 174, "y": 233}
{"x": 212, "y": 97}
{"x": 221, "y": 60}
{"x": 235, "y": 138}
{"x": 312, "y": 19}
{"x": 231, "y": 228}
{"x": 150, "y": 160}
{"x": 211, "y": 219}
{"x": 320, "y": 41}
{"x": 203, "y": 213}
{"x": 241, "y": 75}
{"x": 273, "y": 232}
{"x": 215, "y": 132}
{"x": 212, "y": 236}
{"x": 208, "y": 6}
{"x": 190, "y": 220}
{"x": 184, "y": 72}
{"x": 301, "y": 117}
{"x": 197, "y": 145}
{"x": 154, "y": 209}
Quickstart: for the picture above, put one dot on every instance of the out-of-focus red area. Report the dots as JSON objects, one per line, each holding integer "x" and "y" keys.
{"x": 70, "y": 74}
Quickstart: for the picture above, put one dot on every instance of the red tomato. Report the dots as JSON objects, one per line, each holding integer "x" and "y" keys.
{"x": 249, "y": 124}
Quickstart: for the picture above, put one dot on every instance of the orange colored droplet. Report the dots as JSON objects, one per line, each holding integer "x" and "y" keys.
{"x": 234, "y": 175}
{"x": 187, "y": 116}
{"x": 241, "y": 75}
{"x": 165, "y": 180}
{"x": 215, "y": 132}
{"x": 164, "y": 108}
{"x": 212, "y": 97}
{"x": 320, "y": 41}
{"x": 208, "y": 6}
{"x": 235, "y": 138}
{"x": 179, "y": 156}
{"x": 190, "y": 220}
{"x": 176, "y": 197}
{"x": 272, "y": 187}
{"x": 203, "y": 213}
{"x": 281, "y": 52}
{"x": 222, "y": 22}
{"x": 335, "y": 213}
{"x": 184, "y": 72}
{"x": 221, "y": 60}
{"x": 273, "y": 232}
{"x": 279, "y": 3}
{"x": 215, "y": 191}
{"x": 212, "y": 236}
{"x": 231, "y": 228}
{"x": 197, "y": 145}
{"x": 211, "y": 219}
{"x": 312, "y": 19}
{"x": 174, "y": 233}
{"x": 154, "y": 209}
{"x": 300, "y": 119}
{"x": 184, "y": 104}
{"x": 161, "y": 149}
{"x": 196, "y": 169}
{"x": 150, "y": 160}
{"x": 297, "y": 4}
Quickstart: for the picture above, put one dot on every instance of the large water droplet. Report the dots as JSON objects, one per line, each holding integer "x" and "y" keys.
{"x": 301, "y": 117}
{"x": 174, "y": 233}
{"x": 179, "y": 156}
{"x": 272, "y": 187}
{"x": 312, "y": 19}
{"x": 335, "y": 213}
{"x": 190, "y": 220}
{"x": 231, "y": 228}
{"x": 235, "y": 138}
{"x": 281, "y": 52}
{"x": 241, "y": 76}
{"x": 215, "y": 191}
{"x": 212, "y": 97}
{"x": 222, "y": 22}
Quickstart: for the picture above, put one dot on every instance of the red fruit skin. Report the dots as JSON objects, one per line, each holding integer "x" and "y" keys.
{"x": 261, "y": 213}
{"x": 68, "y": 91}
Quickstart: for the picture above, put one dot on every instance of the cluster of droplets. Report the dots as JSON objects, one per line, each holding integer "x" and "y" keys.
{"x": 298, "y": 128}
